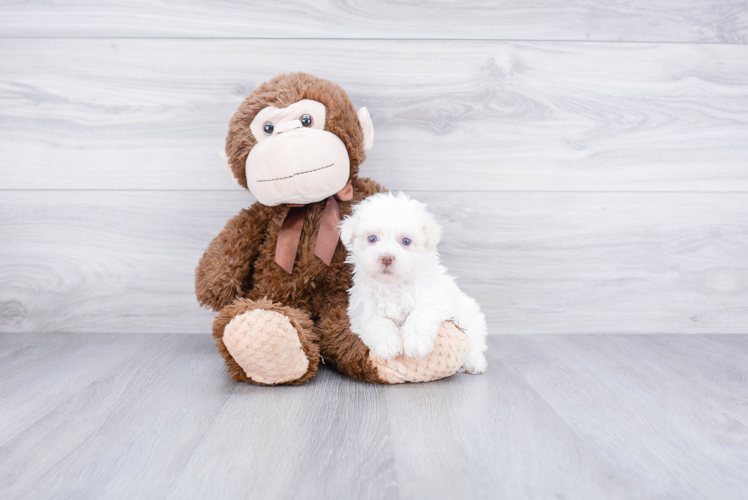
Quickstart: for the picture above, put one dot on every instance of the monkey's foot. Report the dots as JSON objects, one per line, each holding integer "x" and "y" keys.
{"x": 448, "y": 356}
{"x": 266, "y": 346}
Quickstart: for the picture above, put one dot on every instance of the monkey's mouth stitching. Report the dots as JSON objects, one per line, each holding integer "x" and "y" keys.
{"x": 294, "y": 175}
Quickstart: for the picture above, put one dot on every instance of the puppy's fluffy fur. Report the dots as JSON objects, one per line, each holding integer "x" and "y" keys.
{"x": 401, "y": 293}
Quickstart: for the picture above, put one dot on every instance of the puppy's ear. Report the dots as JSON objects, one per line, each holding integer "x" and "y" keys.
{"x": 347, "y": 226}
{"x": 433, "y": 231}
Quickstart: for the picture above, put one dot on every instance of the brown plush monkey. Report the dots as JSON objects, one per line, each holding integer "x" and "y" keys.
{"x": 277, "y": 271}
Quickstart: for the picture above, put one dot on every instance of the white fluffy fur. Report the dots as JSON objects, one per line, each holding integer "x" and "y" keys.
{"x": 398, "y": 307}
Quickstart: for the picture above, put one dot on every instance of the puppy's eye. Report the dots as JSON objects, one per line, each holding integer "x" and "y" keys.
{"x": 306, "y": 120}
{"x": 372, "y": 239}
{"x": 406, "y": 241}
{"x": 268, "y": 128}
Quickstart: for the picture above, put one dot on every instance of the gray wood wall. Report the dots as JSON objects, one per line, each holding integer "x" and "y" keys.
{"x": 589, "y": 159}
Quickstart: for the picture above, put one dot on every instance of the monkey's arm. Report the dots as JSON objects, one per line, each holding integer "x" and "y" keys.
{"x": 226, "y": 267}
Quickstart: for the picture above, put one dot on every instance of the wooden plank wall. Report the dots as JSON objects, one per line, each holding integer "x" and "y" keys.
{"x": 588, "y": 159}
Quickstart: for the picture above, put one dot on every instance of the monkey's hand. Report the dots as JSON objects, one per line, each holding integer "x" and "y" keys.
{"x": 224, "y": 270}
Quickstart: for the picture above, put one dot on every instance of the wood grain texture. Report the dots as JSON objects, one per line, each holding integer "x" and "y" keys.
{"x": 637, "y": 20}
{"x": 297, "y": 444}
{"x": 465, "y": 115}
{"x": 578, "y": 416}
{"x": 122, "y": 262}
{"x": 626, "y": 387}
{"x": 31, "y": 362}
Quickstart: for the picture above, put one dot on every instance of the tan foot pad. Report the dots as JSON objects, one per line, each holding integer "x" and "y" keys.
{"x": 448, "y": 356}
{"x": 266, "y": 346}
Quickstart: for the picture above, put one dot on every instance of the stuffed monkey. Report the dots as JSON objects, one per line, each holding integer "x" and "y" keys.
{"x": 276, "y": 274}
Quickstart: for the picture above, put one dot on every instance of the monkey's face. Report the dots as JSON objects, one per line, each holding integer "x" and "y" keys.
{"x": 295, "y": 159}
{"x": 297, "y": 139}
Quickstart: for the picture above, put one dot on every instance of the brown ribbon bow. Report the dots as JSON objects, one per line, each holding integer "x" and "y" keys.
{"x": 327, "y": 236}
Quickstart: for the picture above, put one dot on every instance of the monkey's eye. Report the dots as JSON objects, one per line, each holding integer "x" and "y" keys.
{"x": 372, "y": 239}
{"x": 268, "y": 128}
{"x": 306, "y": 120}
{"x": 406, "y": 241}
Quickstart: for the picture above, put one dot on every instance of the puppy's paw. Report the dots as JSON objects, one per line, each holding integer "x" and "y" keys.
{"x": 475, "y": 363}
{"x": 417, "y": 346}
{"x": 386, "y": 346}
{"x": 418, "y": 339}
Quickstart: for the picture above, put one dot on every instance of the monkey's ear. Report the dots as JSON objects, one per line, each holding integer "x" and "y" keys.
{"x": 346, "y": 230}
{"x": 227, "y": 166}
{"x": 365, "y": 119}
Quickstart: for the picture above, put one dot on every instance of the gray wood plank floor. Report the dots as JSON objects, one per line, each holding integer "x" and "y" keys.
{"x": 577, "y": 416}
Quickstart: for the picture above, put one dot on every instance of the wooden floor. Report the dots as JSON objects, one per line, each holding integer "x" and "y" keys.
{"x": 577, "y": 416}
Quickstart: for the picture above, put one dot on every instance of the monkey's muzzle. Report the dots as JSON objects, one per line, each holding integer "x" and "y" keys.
{"x": 297, "y": 166}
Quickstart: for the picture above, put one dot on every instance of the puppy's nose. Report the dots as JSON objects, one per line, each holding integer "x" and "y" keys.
{"x": 387, "y": 259}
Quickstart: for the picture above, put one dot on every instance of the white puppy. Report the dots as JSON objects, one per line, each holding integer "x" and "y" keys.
{"x": 401, "y": 293}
